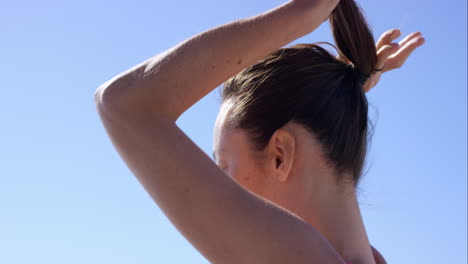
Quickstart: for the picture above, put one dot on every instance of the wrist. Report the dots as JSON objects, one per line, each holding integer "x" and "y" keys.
{"x": 315, "y": 10}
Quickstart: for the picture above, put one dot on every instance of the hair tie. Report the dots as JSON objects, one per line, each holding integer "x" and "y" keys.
{"x": 380, "y": 69}
{"x": 359, "y": 76}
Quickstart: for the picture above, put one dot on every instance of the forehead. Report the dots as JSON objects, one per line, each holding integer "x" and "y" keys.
{"x": 224, "y": 138}
{"x": 220, "y": 131}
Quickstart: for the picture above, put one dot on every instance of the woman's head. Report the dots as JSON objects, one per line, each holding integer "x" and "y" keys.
{"x": 306, "y": 86}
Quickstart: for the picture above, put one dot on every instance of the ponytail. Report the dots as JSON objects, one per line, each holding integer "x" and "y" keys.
{"x": 308, "y": 85}
{"x": 353, "y": 37}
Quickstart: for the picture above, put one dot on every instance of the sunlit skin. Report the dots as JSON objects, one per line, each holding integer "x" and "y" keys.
{"x": 302, "y": 183}
{"x": 224, "y": 214}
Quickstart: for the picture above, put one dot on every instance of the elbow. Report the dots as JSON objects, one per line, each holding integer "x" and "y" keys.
{"x": 120, "y": 97}
{"x": 99, "y": 98}
{"x": 121, "y": 89}
{"x": 98, "y": 95}
{"x": 116, "y": 91}
{"x": 106, "y": 96}
{"x": 109, "y": 91}
{"x": 101, "y": 94}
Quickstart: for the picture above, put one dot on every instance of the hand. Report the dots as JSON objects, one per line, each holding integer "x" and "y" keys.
{"x": 392, "y": 56}
{"x": 379, "y": 259}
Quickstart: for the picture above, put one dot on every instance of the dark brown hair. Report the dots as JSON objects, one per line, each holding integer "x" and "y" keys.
{"x": 308, "y": 85}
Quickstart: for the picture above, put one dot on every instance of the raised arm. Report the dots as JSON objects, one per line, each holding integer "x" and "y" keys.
{"x": 169, "y": 83}
{"x": 139, "y": 107}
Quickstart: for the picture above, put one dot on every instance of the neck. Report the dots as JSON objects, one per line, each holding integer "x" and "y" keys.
{"x": 331, "y": 209}
{"x": 335, "y": 213}
{"x": 312, "y": 193}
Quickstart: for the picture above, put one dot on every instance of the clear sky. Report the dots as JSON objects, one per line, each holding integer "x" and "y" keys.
{"x": 67, "y": 197}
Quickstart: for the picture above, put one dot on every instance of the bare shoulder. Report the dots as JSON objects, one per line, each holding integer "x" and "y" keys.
{"x": 379, "y": 259}
{"x": 224, "y": 221}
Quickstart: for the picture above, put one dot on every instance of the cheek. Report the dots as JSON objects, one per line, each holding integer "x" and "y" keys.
{"x": 245, "y": 173}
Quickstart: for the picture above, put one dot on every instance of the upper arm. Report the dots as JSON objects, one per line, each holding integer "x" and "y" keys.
{"x": 224, "y": 221}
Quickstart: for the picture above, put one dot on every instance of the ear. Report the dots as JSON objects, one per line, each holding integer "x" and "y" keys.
{"x": 282, "y": 145}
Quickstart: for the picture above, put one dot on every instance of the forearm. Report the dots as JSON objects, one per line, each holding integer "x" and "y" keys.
{"x": 169, "y": 83}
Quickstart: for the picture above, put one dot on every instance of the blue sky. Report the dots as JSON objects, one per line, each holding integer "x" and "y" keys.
{"x": 67, "y": 197}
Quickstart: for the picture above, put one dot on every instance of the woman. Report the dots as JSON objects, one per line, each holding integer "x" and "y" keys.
{"x": 289, "y": 141}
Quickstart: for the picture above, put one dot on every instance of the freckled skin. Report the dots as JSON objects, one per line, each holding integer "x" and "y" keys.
{"x": 235, "y": 156}
{"x": 306, "y": 196}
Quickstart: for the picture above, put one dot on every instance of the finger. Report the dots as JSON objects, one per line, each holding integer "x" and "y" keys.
{"x": 409, "y": 38}
{"x": 384, "y": 53}
{"x": 387, "y": 38}
{"x": 398, "y": 59}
